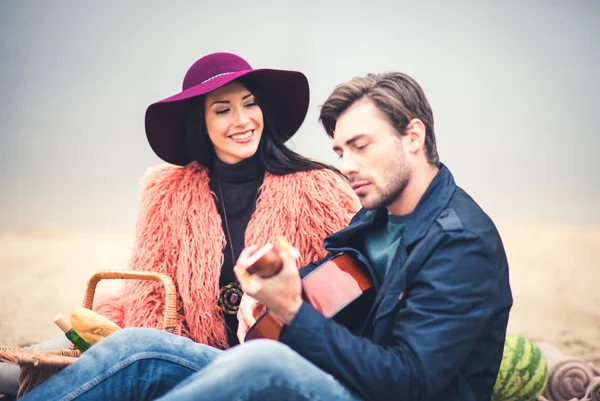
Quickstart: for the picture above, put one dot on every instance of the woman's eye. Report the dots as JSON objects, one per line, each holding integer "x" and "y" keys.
{"x": 219, "y": 112}
{"x": 251, "y": 104}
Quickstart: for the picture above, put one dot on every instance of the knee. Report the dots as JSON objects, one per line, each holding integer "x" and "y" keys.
{"x": 142, "y": 344}
{"x": 134, "y": 340}
{"x": 266, "y": 348}
{"x": 260, "y": 355}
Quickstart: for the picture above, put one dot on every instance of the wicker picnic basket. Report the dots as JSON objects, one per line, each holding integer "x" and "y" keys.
{"x": 37, "y": 366}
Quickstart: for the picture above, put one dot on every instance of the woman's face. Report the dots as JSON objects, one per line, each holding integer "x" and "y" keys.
{"x": 234, "y": 122}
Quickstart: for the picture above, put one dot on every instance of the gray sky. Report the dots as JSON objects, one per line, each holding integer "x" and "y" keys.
{"x": 514, "y": 87}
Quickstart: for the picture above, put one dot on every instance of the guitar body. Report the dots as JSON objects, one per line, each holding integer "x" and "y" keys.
{"x": 338, "y": 288}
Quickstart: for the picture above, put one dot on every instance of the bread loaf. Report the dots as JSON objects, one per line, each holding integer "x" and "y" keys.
{"x": 92, "y": 326}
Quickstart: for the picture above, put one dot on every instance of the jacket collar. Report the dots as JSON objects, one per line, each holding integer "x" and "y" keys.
{"x": 430, "y": 206}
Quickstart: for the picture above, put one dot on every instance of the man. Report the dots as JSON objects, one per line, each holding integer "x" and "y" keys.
{"x": 437, "y": 327}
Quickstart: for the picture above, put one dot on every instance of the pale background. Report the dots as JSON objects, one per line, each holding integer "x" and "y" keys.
{"x": 514, "y": 86}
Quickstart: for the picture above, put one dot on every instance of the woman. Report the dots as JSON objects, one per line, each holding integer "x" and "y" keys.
{"x": 231, "y": 182}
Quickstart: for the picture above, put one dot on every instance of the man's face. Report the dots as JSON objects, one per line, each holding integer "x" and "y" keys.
{"x": 373, "y": 154}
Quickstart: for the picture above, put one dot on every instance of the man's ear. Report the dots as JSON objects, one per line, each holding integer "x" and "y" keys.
{"x": 415, "y": 133}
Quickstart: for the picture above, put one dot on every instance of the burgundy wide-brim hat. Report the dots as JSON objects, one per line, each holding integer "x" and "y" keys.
{"x": 286, "y": 92}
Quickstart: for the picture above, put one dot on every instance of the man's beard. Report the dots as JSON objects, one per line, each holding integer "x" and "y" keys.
{"x": 388, "y": 195}
{"x": 394, "y": 192}
{"x": 394, "y": 187}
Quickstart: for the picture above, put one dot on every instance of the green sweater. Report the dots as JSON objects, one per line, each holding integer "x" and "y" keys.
{"x": 381, "y": 244}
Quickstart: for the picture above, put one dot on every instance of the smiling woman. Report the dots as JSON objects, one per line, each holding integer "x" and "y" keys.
{"x": 235, "y": 184}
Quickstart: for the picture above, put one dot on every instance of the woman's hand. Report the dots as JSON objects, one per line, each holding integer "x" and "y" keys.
{"x": 245, "y": 316}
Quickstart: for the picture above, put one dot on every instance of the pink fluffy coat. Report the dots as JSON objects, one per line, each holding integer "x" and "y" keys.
{"x": 179, "y": 233}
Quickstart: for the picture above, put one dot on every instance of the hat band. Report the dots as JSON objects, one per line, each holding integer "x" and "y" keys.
{"x": 215, "y": 76}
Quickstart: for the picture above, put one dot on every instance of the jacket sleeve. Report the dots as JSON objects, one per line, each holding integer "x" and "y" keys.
{"x": 446, "y": 309}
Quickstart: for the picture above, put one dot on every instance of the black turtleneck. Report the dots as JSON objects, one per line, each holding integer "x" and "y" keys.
{"x": 240, "y": 183}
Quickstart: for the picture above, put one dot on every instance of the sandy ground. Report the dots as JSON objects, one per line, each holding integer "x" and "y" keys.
{"x": 555, "y": 276}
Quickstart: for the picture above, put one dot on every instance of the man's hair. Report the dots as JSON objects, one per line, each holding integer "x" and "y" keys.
{"x": 397, "y": 95}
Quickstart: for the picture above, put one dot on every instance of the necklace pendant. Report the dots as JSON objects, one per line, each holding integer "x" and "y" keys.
{"x": 230, "y": 297}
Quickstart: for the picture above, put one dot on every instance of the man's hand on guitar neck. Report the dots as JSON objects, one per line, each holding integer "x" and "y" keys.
{"x": 282, "y": 293}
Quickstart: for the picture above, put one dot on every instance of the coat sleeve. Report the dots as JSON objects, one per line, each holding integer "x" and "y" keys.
{"x": 141, "y": 303}
{"x": 447, "y": 307}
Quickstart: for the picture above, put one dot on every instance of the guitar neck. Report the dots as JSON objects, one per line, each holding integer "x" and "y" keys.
{"x": 265, "y": 262}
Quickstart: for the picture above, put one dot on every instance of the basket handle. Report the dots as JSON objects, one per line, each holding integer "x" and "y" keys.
{"x": 50, "y": 359}
{"x": 170, "y": 318}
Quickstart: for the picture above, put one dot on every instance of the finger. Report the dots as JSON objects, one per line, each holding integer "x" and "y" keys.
{"x": 248, "y": 251}
{"x": 247, "y": 307}
{"x": 245, "y": 255}
{"x": 248, "y": 314}
{"x": 250, "y": 284}
{"x": 289, "y": 262}
{"x": 242, "y": 275}
{"x": 282, "y": 244}
{"x": 241, "y": 331}
{"x": 248, "y": 323}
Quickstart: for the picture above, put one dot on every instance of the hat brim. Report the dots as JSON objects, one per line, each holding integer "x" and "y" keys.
{"x": 287, "y": 93}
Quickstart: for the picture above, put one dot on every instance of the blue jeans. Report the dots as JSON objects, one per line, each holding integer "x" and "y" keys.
{"x": 147, "y": 364}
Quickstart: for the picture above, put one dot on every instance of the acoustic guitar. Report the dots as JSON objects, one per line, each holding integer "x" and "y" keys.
{"x": 338, "y": 288}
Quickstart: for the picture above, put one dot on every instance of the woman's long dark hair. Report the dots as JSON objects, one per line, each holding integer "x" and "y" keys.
{"x": 272, "y": 153}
